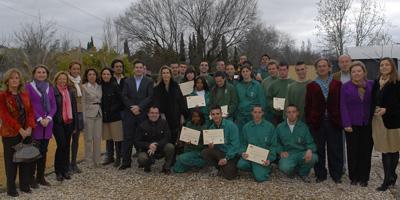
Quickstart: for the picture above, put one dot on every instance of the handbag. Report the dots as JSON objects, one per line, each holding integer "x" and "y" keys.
{"x": 25, "y": 153}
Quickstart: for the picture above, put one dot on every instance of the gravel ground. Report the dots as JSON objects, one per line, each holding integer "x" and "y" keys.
{"x": 110, "y": 183}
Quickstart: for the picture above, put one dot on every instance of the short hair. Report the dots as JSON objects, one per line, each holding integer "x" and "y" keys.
{"x": 115, "y": 61}
{"x": 85, "y": 79}
{"x": 284, "y": 64}
{"x": 257, "y": 106}
{"x": 216, "y": 107}
{"x": 266, "y": 55}
{"x": 75, "y": 62}
{"x": 322, "y": 59}
{"x": 300, "y": 63}
{"x": 41, "y": 66}
{"x": 58, "y": 74}
{"x": 138, "y": 62}
{"x": 273, "y": 62}
{"x": 153, "y": 107}
{"x": 219, "y": 74}
{"x": 7, "y": 77}
{"x": 293, "y": 106}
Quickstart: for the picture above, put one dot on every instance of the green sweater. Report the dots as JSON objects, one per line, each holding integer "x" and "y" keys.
{"x": 278, "y": 89}
{"x": 249, "y": 94}
{"x": 231, "y": 146}
{"x": 293, "y": 142}
{"x": 261, "y": 135}
{"x": 296, "y": 94}
{"x": 210, "y": 80}
{"x": 266, "y": 83}
{"x": 199, "y": 147}
{"x": 224, "y": 96}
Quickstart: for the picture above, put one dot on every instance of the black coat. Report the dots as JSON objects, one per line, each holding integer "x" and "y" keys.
{"x": 141, "y": 97}
{"x": 149, "y": 132}
{"x": 171, "y": 103}
{"x": 57, "y": 118}
{"x": 389, "y": 98}
{"x": 111, "y": 101}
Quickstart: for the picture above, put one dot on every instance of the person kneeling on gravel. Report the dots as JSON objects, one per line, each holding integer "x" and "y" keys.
{"x": 223, "y": 156}
{"x": 258, "y": 132}
{"x": 152, "y": 139}
{"x": 295, "y": 145}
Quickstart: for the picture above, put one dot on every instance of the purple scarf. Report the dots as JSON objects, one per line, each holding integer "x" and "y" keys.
{"x": 42, "y": 87}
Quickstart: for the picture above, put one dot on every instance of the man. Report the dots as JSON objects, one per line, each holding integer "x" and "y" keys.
{"x": 260, "y": 133}
{"x": 344, "y": 64}
{"x": 295, "y": 145}
{"x": 175, "y": 72}
{"x": 230, "y": 74}
{"x": 223, "y": 156}
{"x": 204, "y": 73}
{"x": 220, "y": 67}
{"x": 266, "y": 83}
{"x": 137, "y": 94}
{"x": 278, "y": 89}
{"x": 224, "y": 94}
{"x": 118, "y": 69}
{"x": 182, "y": 69}
{"x": 242, "y": 59}
{"x": 152, "y": 139}
{"x": 262, "y": 70}
{"x": 296, "y": 92}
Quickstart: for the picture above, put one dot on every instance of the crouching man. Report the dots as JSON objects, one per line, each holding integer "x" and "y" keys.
{"x": 152, "y": 139}
{"x": 295, "y": 145}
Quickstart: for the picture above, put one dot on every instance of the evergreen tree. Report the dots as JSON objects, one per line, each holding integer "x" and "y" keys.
{"x": 182, "y": 54}
{"x": 224, "y": 49}
{"x": 126, "y": 48}
{"x": 190, "y": 49}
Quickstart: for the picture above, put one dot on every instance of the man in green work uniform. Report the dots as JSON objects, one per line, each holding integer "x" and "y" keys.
{"x": 258, "y": 132}
{"x": 223, "y": 94}
{"x": 295, "y": 145}
{"x": 203, "y": 68}
{"x": 278, "y": 89}
{"x": 266, "y": 83}
{"x": 223, "y": 156}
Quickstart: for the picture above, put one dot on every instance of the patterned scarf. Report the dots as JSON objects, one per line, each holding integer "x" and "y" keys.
{"x": 42, "y": 87}
{"x": 361, "y": 87}
{"x": 77, "y": 82}
{"x": 66, "y": 104}
{"x": 324, "y": 84}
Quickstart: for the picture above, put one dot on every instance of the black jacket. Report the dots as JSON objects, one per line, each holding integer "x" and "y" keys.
{"x": 57, "y": 118}
{"x": 142, "y": 97}
{"x": 389, "y": 98}
{"x": 149, "y": 132}
{"x": 111, "y": 102}
{"x": 171, "y": 103}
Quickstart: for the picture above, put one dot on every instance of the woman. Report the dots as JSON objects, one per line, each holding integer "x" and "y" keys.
{"x": 191, "y": 157}
{"x": 111, "y": 106}
{"x": 190, "y": 74}
{"x": 200, "y": 88}
{"x": 65, "y": 124}
{"x": 386, "y": 118}
{"x": 91, "y": 100}
{"x": 76, "y": 84}
{"x": 322, "y": 111}
{"x": 250, "y": 93}
{"x": 16, "y": 113}
{"x": 168, "y": 97}
{"x": 41, "y": 94}
{"x": 355, "y": 106}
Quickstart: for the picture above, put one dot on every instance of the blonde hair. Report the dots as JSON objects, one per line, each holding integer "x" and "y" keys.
{"x": 7, "y": 77}
{"x": 359, "y": 64}
{"x": 58, "y": 74}
{"x": 160, "y": 73}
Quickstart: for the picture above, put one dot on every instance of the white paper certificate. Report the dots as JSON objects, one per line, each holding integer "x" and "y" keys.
{"x": 224, "y": 111}
{"x": 190, "y": 135}
{"x": 215, "y": 136}
{"x": 257, "y": 154}
{"x": 279, "y": 103}
{"x": 186, "y": 87}
{"x": 195, "y": 101}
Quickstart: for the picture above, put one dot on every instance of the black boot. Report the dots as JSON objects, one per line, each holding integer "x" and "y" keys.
{"x": 118, "y": 153}
{"x": 41, "y": 166}
{"x": 386, "y": 161}
{"x": 393, "y": 165}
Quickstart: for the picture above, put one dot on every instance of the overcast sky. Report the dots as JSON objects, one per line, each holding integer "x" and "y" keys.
{"x": 294, "y": 17}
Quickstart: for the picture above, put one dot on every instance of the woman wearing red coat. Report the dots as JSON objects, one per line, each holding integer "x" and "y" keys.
{"x": 322, "y": 111}
{"x": 16, "y": 113}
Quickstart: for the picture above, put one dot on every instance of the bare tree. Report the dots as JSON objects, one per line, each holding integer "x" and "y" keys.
{"x": 111, "y": 36}
{"x": 333, "y": 24}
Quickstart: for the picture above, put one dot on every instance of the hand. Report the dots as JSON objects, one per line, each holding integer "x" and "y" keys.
{"x": 222, "y": 162}
{"x": 211, "y": 145}
{"x": 135, "y": 110}
{"x": 22, "y": 132}
{"x": 45, "y": 122}
{"x": 153, "y": 147}
{"x": 348, "y": 129}
{"x": 308, "y": 155}
{"x": 380, "y": 111}
{"x": 258, "y": 77}
{"x": 182, "y": 119}
{"x": 245, "y": 156}
{"x": 284, "y": 154}
{"x": 28, "y": 131}
{"x": 75, "y": 131}
{"x": 266, "y": 162}
{"x": 150, "y": 152}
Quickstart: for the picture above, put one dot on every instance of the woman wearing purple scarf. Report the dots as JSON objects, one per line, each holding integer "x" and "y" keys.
{"x": 43, "y": 101}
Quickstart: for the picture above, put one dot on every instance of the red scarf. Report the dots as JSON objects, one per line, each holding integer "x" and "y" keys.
{"x": 66, "y": 104}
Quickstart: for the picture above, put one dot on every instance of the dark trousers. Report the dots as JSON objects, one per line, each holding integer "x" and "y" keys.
{"x": 359, "y": 152}
{"x": 112, "y": 147}
{"x": 390, "y": 161}
{"x": 332, "y": 138}
{"x": 212, "y": 156}
{"x": 130, "y": 124}
{"x": 40, "y": 165}
{"x": 277, "y": 119}
{"x": 11, "y": 167}
{"x": 166, "y": 152}
{"x": 62, "y": 133}
{"x": 75, "y": 140}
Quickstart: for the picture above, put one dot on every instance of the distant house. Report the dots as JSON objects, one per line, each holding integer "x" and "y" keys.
{"x": 370, "y": 56}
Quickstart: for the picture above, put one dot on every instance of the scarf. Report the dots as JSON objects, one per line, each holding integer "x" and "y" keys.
{"x": 324, "y": 84}
{"x": 66, "y": 105}
{"x": 42, "y": 87}
{"x": 361, "y": 86}
{"x": 383, "y": 81}
{"x": 77, "y": 82}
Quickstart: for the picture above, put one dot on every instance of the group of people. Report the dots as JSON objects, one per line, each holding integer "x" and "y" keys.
{"x": 321, "y": 118}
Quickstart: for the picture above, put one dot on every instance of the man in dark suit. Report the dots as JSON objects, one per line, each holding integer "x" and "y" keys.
{"x": 137, "y": 94}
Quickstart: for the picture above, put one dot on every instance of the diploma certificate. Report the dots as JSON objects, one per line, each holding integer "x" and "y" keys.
{"x": 257, "y": 154}
{"x": 190, "y": 135}
{"x": 215, "y": 136}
